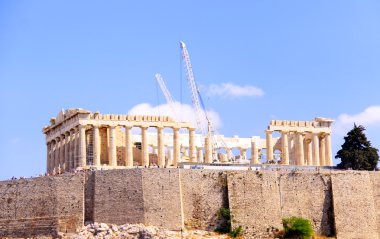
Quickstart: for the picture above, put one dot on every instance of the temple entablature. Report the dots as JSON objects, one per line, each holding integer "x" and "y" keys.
{"x": 318, "y": 125}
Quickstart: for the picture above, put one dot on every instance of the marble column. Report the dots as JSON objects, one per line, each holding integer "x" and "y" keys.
{"x": 208, "y": 150}
{"x": 285, "y": 148}
{"x": 230, "y": 156}
{"x": 243, "y": 153}
{"x": 192, "y": 148}
{"x": 322, "y": 151}
{"x": 300, "y": 150}
{"x": 62, "y": 154}
{"x": 170, "y": 157}
{"x": 52, "y": 156}
{"x": 200, "y": 154}
{"x": 177, "y": 147}
{"x": 96, "y": 145}
{"x": 144, "y": 147}
{"x": 308, "y": 152}
{"x": 67, "y": 152}
{"x": 254, "y": 152}
{"x": 161, "y": 147}
{"x": 75, "y": 148}
{"x": 128, "y": 147}
{"x": 82, "y": 146}
{"x": 112, "y": 147}
{"x": 328, "y": 157}
{"x": 48, "y": 156}
{"x": 269, "y": 145}
{"x": 71, "y": 150}
{"x": 57, "y": 154}
{"x": 315, "y": 149}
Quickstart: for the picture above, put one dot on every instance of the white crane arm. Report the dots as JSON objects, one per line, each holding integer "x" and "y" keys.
{"x": 168, "y": 96}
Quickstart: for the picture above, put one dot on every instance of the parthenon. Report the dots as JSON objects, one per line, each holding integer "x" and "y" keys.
{"x": 78, "y": 138}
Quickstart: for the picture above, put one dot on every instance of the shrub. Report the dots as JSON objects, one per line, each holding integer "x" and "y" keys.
{"x": 225, "y": 216}
{"x": 236, "y": 232}
{"x": 225, "y": 226}
{"x": 297, "y": 227}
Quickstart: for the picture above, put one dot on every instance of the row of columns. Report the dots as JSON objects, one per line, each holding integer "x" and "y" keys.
{"x": 69, "y": 150}
{"x": 144, "y": 146}
{"x": 315, "y": 151}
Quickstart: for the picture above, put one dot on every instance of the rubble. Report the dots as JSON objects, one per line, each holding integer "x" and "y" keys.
{"x": 137, "y": 231}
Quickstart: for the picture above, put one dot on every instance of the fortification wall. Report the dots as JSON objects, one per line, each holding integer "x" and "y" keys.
{"x": 375, "y": 179}
{"x": 345, "y": 203}
{"x": 41, "y": 206}
{"x": 162, "y": 198}
{"x": 254, "y": 201}
{"x": 258, "y": 201}
{"x": 148, "y": 196}
{"x": 204, "y": 192}
{"x": 354, "y": 207}
{"x": 308, "y": 195}
{"x": 118, "y": 196}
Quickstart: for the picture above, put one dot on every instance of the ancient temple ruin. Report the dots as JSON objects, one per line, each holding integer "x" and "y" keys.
{"x": 78, "y": 138}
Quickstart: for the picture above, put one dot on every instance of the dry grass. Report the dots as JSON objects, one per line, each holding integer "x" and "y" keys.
{"x": 323, "y": 237}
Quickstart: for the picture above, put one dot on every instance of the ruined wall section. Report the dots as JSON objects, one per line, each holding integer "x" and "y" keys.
{"x": 254, "y": 201}
{"x": 204, "y": 192}
{"x": 354, "y": 207}
{"x": 148, "y": 196}
{"x": 70, "y": 201}
{"x": 308, "y": 195}
{"x": 41, "y": 206}
{"x": 375, "y": 179}
{"x": 118, "y": 196}
{"x": 162, "y": 198}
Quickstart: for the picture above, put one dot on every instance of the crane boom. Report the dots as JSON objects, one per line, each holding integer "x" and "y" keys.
{"x": 200, "y": 114}
{"x": 203, "y": 121}
{"x": 168, "y": 96}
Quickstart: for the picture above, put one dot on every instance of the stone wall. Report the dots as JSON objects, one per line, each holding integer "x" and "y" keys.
{"x": 308, "y": 195}
{"x": 41, "y": 206}
{"x": 118, "y": 196}
{"x": 149, "y": 196}
{"x": 343, "y": 203}
{"x": 162, "y": 198}
{"x": 375, "y": 179}
{"x": 354, "y": 208}
{"x": 258, "y": 201}
{"x": 254, "y": 201}
{"x": 204, "y": 192}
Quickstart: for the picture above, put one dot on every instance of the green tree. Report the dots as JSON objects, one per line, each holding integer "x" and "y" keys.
{"x": 357, "y": 152}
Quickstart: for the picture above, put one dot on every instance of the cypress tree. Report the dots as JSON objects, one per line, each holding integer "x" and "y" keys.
{"x": 357, "y": 152}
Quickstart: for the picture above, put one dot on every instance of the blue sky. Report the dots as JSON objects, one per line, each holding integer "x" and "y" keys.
{"x": 309, "y": 58}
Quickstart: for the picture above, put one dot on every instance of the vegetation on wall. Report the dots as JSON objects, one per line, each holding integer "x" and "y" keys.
{"x": 297, "y": 227}
{"x": 225, "y": 225}
{"x": 357, "y": 152}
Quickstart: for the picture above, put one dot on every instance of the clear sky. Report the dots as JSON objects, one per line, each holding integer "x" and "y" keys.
{"x": 254, "y": 61}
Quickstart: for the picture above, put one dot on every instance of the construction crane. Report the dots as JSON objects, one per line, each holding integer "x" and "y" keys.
{"x": 200, "y": 115}
{"x": 168, "y": 96}
{"x": 203, "y": 121}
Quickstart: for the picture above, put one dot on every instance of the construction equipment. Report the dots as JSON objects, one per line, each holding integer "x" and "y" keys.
{"x": 168, "y": 96}
{"x": 204, "y": 122}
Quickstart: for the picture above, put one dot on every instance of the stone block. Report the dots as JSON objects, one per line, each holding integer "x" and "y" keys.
{"x": 354, "y": 209}
{"x": 308, "y": 195}
{"x": 118, "y": 196}
{"x": 254, "y": 201}
{"x": 204, "y": 192}
{"x": 162, "y": 198}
